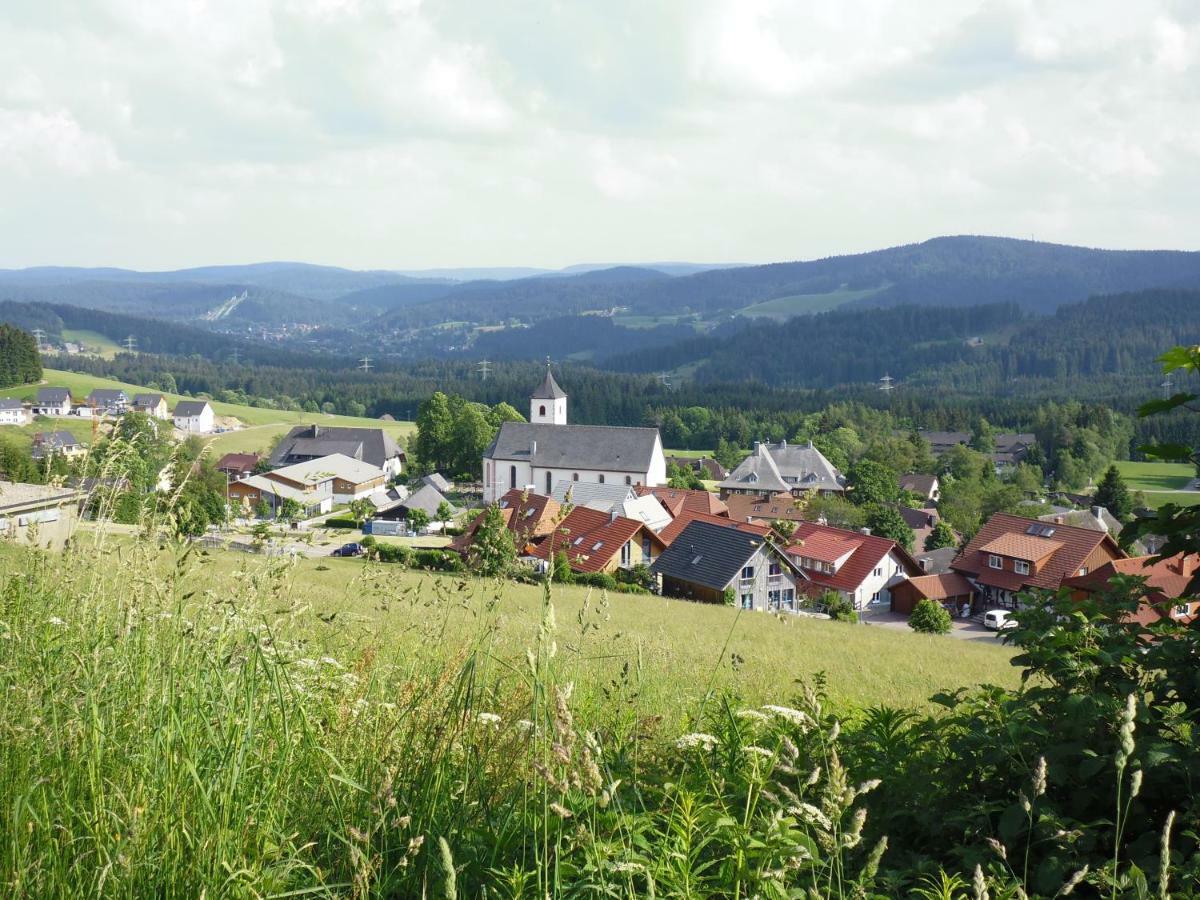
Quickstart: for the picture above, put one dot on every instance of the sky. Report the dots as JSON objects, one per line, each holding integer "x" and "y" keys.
{"x": 403, "y": 134}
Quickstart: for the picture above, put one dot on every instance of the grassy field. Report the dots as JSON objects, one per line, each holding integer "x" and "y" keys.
{"x": 275, "y": 421}
{"x": 93, "y": 342}
{"x": 81, "y": 428}
{"x": 1160, "y": 482}
{"x": 782, "y": 308}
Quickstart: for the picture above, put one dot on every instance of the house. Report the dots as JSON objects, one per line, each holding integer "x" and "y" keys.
{"x": 438, "y": 481}
{"x": 774, "y": 468}
{"x": 677, "y": 526}
{"x": 1097, "y": 518}
{"x": 1011, "y": 554}
{"x": 701, "y": 466}
{"x": 425, "y": 498}
{"x": 861, "y": 567}
{"x": 346, "y": 479}
{"x": 52, "y": 401}
{"x": 921, "y": 521}
{"x": 1169, "y": 593}
{"x": 107, "y": 400}
{"x": 538, "y": 454}
{"x": 154, "y": 405}
{"x": 594, "y": 541}
{"x": 237, "y": 465}
{"x": 926, "y": 487}
{"x": 13, "y": 412}
{"x": 949, "y": 589}
{"x": 622, "y": 499}
{"x": 370, "y": 445}
{"x": 675, "y": 500}
{"x": 757, "y": 508}
{"x": 38, "y": 513}
{"x": 49, "y": 443}
{"x": 707, "y": 560}
{"x": 530, "y": 517}
{"x": 195, "y": 416}
{"x": 936, "y": 562}
{"x": 1011, "y": 447}
{"x": 255, "y": 489}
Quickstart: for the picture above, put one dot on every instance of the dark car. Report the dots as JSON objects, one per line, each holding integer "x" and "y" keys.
{"x": 351, "y": 549}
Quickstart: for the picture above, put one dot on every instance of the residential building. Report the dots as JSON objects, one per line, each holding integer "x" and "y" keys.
{"x": 314, "y": 500}
{"x": 757, "y": 508}
{"x": 438, "y": 481}
{"x": 13, "y": 412}
{"x": 426, "y": 498}
{"x": 529, "y": 517}
{"x": 194, "y": 416}
{"x": 622, "y": 499}
{"x": 370, "y": 445}
{"x": 237, "y": 465}
{"x": 1169, "y": 592}
{"x": 49, "y": 443}
{"x": 862, "y": 567}
{"x": 1096, "y": 518}
{"x": 37, "y": 513}
{"x": 702, "y": 467}
{"x": 107, "y": 400}
{"x": 706, "y": 560}
{"x": 921, "y": 521}
{"x": 154, "y": 405}
{"x": 345, "y": 478}
{"x": 1011, "y": 447}
{"x": 774, "y": 468}
{"x": 949, "y": 589}
{"x": 538, "y": 454}
{"x": 927, "y": 487}
{"x": 936, "y": 562}
{"x": 594, "y": 541}
{"x": 687, "y": 516}
{"x": 675, "y": 500}
{"x": 52, "y": 401}
{"x": 1011, "y": 554}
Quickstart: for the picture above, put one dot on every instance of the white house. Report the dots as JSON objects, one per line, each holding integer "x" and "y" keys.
{"x": 52, "y": 401}
{"x": 863, "y": 568}
{"x": 195, "y": 416}
{"x": 546, "y": 450}
{"x": 13, "y": 412}
{"x": 349, "y": 479}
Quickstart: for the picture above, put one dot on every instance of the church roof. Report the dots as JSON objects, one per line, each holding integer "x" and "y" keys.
{"x": 548, "y": 389}
{"x": 605, "y": 448}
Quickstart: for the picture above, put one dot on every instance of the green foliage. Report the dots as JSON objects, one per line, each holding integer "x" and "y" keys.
{"x": 20, "y": 362}
{"x": 445, "y": 512}
{"x": 887, "y": 522}
{"x": 452, "y": 433}
{"x": 289, "y": 510}
{"x": 836, "y": 511}
{"x": 929, "y": 617}
{"x": 872, "y": 483}
{"x": 417, "y": 519}
{"x": 492, "y": 552}
{"x": 941, "y": 536}
{"x": 729, "y": 597}
{"x": 684, "y": 479}
{"x": 561, "y": 570}
{"x": 340, "y": 522}
{"x": 360, "y": 510}
{"x": 1113, "y": 495}
{"x": 838, "y": 606}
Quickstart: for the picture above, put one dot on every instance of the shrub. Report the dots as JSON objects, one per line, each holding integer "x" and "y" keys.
{"x": 639, "y": 576}
{"x": 929, "y": 617}
{"x": 596, "y": 579}
{"x": 393, "y": 553}
{"x": 341, "y": 522}
{"x": 437, "y": 561}
{"x": 839, "y": 607}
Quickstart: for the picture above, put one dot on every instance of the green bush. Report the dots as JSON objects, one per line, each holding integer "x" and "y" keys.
{"x": 839, "y": 607}
{"x": 341, "y": 522}
{"x": 393, "y": 553}
{"x": 596, "y": 579}
{"x": 437, "y": 561}
{"x": 929, "y": 617}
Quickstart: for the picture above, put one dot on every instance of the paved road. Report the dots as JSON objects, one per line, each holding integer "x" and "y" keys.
{"x": 963, "y": 629}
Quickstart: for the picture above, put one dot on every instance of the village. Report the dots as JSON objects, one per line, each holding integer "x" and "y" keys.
{"x": 603, "y": 505}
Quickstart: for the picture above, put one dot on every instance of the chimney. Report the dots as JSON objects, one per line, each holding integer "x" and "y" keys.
{"x": 924, "y": 563}
{"x": 757, "y": 450}
{"x": 864, "y": 531}
{"x": 1058, "y": 520}
{"x": 1098, "y": 515}
{"x": 612, "y": 515}
{"x": 783, "y": 443}
{"x": 316, "y": 431}
{"x": 810, "y": 445}
{"x": 532, "y": 449}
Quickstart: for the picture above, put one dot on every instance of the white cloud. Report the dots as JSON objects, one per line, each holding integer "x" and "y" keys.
{"x": 35, "y": 142}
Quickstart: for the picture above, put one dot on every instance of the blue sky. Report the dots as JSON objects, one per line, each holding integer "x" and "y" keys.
{"x": 401, "y": 134}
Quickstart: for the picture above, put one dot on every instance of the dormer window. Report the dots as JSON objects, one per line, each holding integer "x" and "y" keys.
{"x": 1020, "y": 567}
{"x": 995, "y": 562}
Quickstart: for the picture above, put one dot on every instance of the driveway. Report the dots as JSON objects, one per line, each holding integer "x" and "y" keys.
{"x": 963, "y": 629}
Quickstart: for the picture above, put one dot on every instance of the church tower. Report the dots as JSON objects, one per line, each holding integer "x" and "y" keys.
{"x": 548, "y": 405}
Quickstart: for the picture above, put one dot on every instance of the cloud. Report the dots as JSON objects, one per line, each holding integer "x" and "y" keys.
{"x": 51, "y": 142}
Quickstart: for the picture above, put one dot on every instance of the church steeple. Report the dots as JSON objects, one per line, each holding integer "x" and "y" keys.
{"x": 548, "y": 404}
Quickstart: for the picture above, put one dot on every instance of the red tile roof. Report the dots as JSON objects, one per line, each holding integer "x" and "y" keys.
{"x": 238, "y": 462}
{"x": 941, "y": 587}
{"x": 1021, "y": 546}
{"x": 1075, "y": 546}
{"x": 528, "y": 516}
{"x": 591, "y": 538}
{"x": 868, "y": 550}
{"x": 753, "y": 506}
{"x": 675, "y": 528}
{"x": 1167, "y": 582}
{"x": 676, "y": 500}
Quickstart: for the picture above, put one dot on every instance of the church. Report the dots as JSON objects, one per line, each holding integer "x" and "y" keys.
{"x": 537, "y": 454}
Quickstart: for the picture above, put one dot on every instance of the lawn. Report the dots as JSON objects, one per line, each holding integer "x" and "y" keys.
{"x": 782, "y": 308}
{"x": 81, "y": 428}
{"x": 1156, "y": 476}
{"x": 93, "y": 342}
{"x": 277, "y": 420}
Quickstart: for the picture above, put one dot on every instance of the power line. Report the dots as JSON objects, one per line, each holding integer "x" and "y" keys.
{"x": 39, "y": 336}
{"x": 365, "y": 364}
{"x": 664, "y": 378}
{"x": 887, "y": 384}
{"x": 484, "y": 368}
{"x": 131, "y": 343}
{"x": 1166, "y": 386}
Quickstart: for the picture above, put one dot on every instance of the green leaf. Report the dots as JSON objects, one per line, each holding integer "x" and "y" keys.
{"x": 1181, "y": 358}
{"x": 1154, "y": 407}
{"x": 1175, "y": 452}
{"x": 1012, "y": 823}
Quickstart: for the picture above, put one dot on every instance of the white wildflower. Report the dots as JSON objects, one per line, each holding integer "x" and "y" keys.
{"x": 525, "y": 725}
{"x": 487, "y": 718}
{"x": 809, "y": 813}
{"x": 55, "y": 621}
{"x": 795, "y": 716}
{"x": 696, "y": 739}
{"x": 330, "y": 661}
{"x": 867, "y": 786}
{"x": 753, "y": 715}
{"x": 627, "y": 867}
{"x": 758, "y": 751}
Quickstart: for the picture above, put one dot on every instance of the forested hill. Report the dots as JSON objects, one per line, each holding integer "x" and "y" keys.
{"x": 1119, "y": 335}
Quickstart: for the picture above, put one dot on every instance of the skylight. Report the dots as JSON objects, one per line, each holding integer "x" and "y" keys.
{"x": 696, "y": 560}
{"x": 596, "y": 546}
{"x": 1037, "y": 529}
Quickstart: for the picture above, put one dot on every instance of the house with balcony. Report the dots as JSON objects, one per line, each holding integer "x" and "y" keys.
{"x": 797, "y": 469}
{"x": 862, "y": 567}
{"x": 708, "y": 562}
{"x": 595, "y": 541}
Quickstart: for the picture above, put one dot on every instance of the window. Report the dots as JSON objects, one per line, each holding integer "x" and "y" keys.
{"x": 775, "y": 570}
{"x": 626, "y": 553}
{"x": 1181, "y": 609}
{"x": 747, "y": 601}
{"x": 596, "y": 546}
{"x": 747, "y": 573}
{"x": 878, "y": 571}
{"x": 773, "y": 598}
{"x": 628, "y": 479}
{"x": 574, "y": 476}
{"x": 512, "y": 477}
{"x": 600, "y": 478}
{"x": 995, "y": 562}
{"x": 549, "y": 485}
{"x": 1020, "y": 567}
{"x": 646, "y": 547}
{"x": 1083, "y": 571}
{"x": 789, "y": 598}
{"x": 541, "y": 410}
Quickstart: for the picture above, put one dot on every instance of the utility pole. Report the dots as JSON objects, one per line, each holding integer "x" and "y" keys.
{"x": 887, "y": 384}
{"x": 664, "y": 379}
{"x": 1166, "y": 387}
{"x": 365, "y": 364}
{"x": 40, "y": 337}
{"x": 131, "y": 343}
{"x": 484, "y": 368}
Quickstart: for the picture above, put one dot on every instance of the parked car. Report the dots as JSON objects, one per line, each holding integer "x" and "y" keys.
{"x": 351, "y": 549}
{"x": 998, "y": 619}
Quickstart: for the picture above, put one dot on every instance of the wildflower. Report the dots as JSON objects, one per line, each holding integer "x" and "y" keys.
{"x": 758, "y": 751}
{"x": 753, "y": 715}
{"x": 979, "y": 884}
{"x": 525, "y": 725}
{"x": 696, "y": 739}
{"x": 487, "y": 718}
{"x": 1039, "y": 777}
{"x": 835, "y": 731}
{"x": 627, "y": 867}
{"x": 330, "y": 661}
{"x": 999, "y": 848}
{"x": 1135, "y": 783}
{"x": 867, "y": 786}
{"x": 1073, "y": 882}
{"x": 1024, "y": 801}
{"x": 794, "y": 716}
{"x": 55, "y": 621}
{"x": 813, "y": 777}
{"x": 1164, "y": 857}
{"x": 561, "y": 811}
{"x": 810, "y": 814}
{"x": 356, "y": 834}
{"x": 1125, "y": 731}
{"x": 872, "y": 864}
{"x": 854, "y": 833}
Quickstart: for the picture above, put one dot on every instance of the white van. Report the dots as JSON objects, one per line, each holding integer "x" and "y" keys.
{"x": 998, "y": 619}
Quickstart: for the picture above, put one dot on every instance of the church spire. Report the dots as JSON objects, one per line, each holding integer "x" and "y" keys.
{"x": 548, "y": 403}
